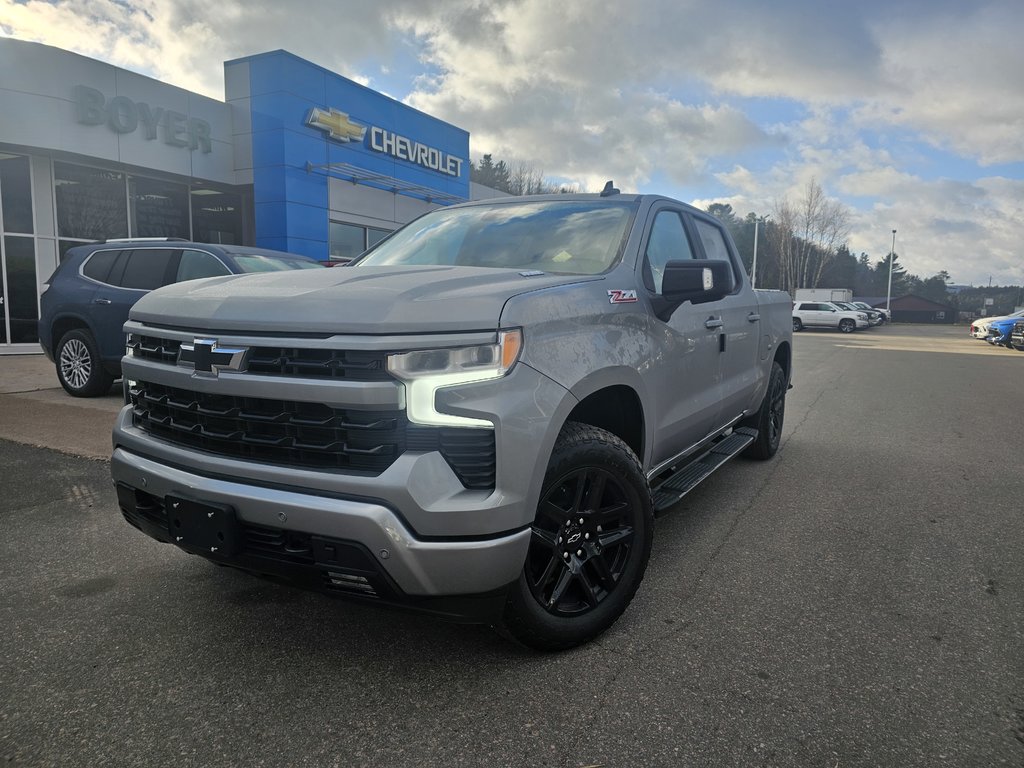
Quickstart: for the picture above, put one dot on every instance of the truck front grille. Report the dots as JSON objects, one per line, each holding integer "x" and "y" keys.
{"x": 287, "y": 362}
{"x": 305, "y": 435}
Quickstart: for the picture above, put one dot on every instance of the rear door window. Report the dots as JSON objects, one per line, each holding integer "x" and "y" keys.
{"x": 147, "y": 268}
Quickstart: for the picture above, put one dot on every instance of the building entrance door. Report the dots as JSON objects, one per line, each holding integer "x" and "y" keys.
{"x": 19, "y": 290}
{"x": 19, "y": 293}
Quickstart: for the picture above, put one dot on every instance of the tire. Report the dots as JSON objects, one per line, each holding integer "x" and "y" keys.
{"x": 798, "y": 324}
{"x": 846, "y": 325}
{"x": 578, "y": 577}
{"x": 79, "y": 369}
{"x": 769, "y": 417}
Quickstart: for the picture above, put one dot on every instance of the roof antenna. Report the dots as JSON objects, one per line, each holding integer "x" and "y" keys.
{"x": 609, "y": 190}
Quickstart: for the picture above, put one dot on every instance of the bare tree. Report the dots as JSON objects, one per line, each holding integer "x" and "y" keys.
{"x": 808, "y": 235}
{"x": 782, "y": 234}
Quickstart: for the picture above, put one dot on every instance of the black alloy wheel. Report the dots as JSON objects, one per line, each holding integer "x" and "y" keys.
{"x": 769, "y": 417}
{"x": 581, "y": 542}
{"x": 589, "y": 542}
{"x": 797, "y": 324}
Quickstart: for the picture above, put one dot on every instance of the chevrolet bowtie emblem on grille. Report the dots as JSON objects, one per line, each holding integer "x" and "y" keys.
{"x": 206, "y": 357}
{"x": 336, "y": 123}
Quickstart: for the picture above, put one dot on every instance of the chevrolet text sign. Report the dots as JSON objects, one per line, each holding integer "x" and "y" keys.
{"x": 407, "y": 149}
{"x": 339, "y": 127}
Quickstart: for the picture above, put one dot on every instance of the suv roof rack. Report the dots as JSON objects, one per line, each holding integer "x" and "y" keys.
{"x": 146, "y": 240}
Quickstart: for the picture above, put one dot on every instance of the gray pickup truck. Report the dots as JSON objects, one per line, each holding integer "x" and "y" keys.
{"x": 478, "y": 418}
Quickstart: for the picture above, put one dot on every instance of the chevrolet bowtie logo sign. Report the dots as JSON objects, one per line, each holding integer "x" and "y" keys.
{"x": 210, "y": 359}
{"x": 336, "y": 123}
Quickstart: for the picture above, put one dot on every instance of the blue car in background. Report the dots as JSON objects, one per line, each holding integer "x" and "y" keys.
{"x": 87, "y": 298}
{"x": 1000, "y": 331}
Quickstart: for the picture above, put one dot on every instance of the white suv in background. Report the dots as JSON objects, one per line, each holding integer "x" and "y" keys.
{"x": 824, "y": 314}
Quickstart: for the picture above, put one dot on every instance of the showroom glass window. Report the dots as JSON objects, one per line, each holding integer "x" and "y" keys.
{"x": 91, "y": 203}
{"x": 216, "y": 216}
{"x": 158, "y": 208}
{"x": 349, "y": 240}
{"x": 19, "y": 309}
{"x": 97, "y": 204}
{"x": 16, "y": 200}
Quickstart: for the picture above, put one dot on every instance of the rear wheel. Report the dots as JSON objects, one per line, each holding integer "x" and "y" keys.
{"x": 768, "y": 419}
{"x": 797, "y": 324}
{"x": 589, "y": 543}
{"x": 79, "y": 369}
{"x": 847, "y": 325}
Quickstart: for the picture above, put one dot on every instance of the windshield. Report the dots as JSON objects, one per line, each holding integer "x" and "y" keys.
{"x": 262, "y": 262}
{"x": 564, "y": 237}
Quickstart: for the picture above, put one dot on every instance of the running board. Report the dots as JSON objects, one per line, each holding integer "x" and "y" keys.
{"x": 684, "y": 480}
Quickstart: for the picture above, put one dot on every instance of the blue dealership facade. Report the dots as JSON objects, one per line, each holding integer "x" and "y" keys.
{"x": 309, "y": 136}
{"x": 295, "y": 158}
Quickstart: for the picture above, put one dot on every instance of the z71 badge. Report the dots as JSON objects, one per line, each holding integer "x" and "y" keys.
{"x": 616, "y": 296}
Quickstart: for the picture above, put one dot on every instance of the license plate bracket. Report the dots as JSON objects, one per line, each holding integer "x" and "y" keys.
{"x": 202, "y": 526}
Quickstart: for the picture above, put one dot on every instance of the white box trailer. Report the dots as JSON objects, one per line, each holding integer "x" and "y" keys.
{"x": 824, "y": 294}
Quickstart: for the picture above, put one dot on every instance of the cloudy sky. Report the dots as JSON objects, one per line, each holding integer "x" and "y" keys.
{"x": 909, "y": 111}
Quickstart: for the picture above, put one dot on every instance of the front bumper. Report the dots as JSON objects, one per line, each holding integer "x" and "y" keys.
{"x": 358, "y": 548}
{"x": 440, "y": 537}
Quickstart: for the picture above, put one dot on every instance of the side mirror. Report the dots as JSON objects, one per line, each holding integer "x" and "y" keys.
{"x": 697, "y": 281}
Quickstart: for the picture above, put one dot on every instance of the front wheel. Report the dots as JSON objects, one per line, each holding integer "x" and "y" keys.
{"x": 589, "y": 543}
{"x": 797, "y": 324}
{"x": 847, "y": 326}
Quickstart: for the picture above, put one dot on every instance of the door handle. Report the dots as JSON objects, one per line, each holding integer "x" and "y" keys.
{"x": 753, "y": 317}
{"x": 101, "y": 301}
{"x": 713, "y": 322}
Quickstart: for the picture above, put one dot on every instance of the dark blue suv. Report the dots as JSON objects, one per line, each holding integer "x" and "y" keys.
{"x": 87, "y": 298}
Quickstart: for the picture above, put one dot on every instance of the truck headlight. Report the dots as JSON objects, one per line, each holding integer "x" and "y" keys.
{"x": 425, "y": 371}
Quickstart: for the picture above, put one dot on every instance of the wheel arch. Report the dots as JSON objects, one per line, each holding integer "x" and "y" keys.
{"x": 784, "y": 357}
{"x": 615, "y": 408}
{"x": 64, "y": 323}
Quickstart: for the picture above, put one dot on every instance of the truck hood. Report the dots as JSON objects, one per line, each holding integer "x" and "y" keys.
{"x": 369, "y": 300}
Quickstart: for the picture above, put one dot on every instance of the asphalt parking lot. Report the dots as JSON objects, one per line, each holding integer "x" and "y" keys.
{"x": 858, "y": 601}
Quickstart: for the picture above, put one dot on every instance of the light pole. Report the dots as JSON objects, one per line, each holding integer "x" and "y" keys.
{"x": 888, "y": 293}
{"x": 753, "y": 266}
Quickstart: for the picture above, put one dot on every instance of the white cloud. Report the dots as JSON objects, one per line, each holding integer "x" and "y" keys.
{"x": 185, "y": 42}
{"x": 653, "y": 91}
{"x": 957, "y": 79}
{"x": 970, "y": 229}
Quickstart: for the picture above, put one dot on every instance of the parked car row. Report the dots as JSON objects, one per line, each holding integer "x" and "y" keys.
{"x": 86, "y": 300}
{"x": 1001, "y": 330}
{"x": 1017, "y": 336}
{"x": 844, "y": 316}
